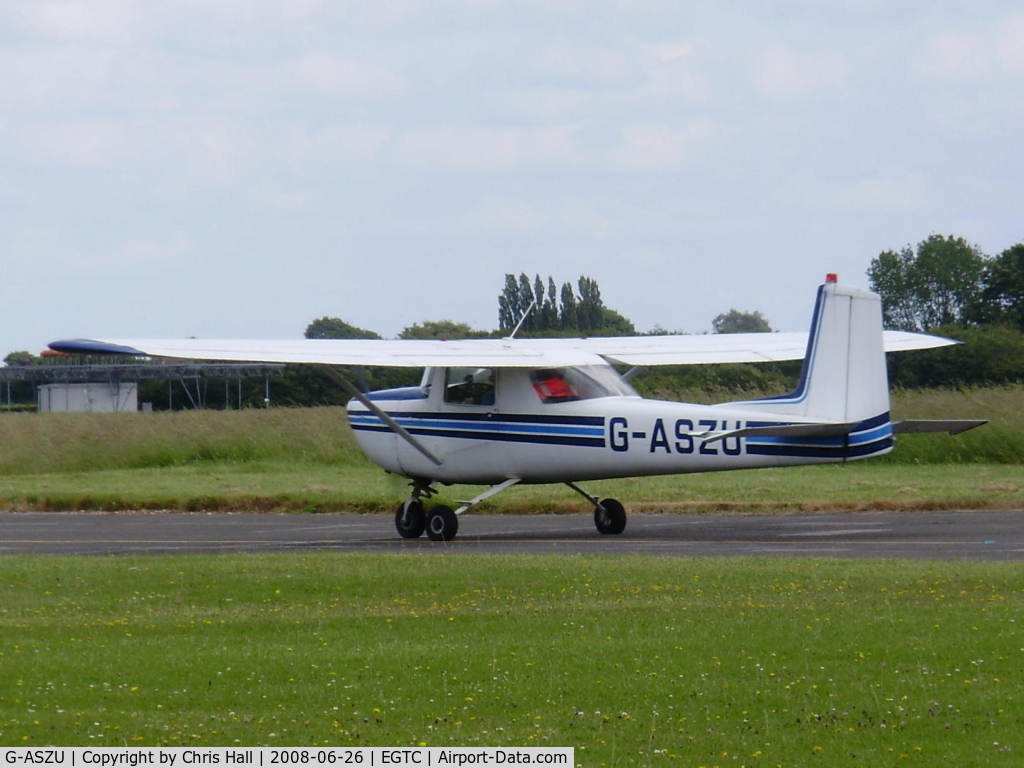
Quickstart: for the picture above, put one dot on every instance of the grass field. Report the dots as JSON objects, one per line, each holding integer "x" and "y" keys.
{"x": 264, "y": 486}
{"x": 633, "y": 661}
{"x": 306, "y": 459}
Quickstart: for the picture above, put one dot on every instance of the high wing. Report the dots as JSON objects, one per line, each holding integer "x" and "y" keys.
{"x": 508, "y": 353}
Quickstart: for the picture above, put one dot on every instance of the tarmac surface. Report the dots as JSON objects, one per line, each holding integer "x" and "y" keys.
{"x": 948, "y": 535}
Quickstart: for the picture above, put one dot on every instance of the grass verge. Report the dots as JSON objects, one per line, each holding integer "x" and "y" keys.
{"x": 303, "y": 487}
{"x": 634, "y": 661}
{"x": 306, "y": 459}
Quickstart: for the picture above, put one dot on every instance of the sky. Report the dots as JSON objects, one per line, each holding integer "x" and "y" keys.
{"x": 239, "y": 168}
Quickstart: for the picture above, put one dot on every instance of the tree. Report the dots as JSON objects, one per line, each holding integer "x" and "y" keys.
{"x": 440, "y": 329}
{"x": 949, "y": 270}
{"x": 891, "y": 276}
{"x": 509, "y": 310}
{"x": 550, "y": 314}
{"x": 614, "y": 324}
{"x": 568, "y": 314}
{"x": 989, "y": 355}
{"x": 22, "y": 358}
{"x": 335, "y": 328}
{"x": 1002, "y": 295}
{"x": 558, "y": 313}
{"x": 526, "y": 299}
{"x": 938, "y": 284}
{"x": 539, "y": 296}
{"x": 306, "y": 385}
{"x": 590, "y": 304}
{"x": 735, "y": 321}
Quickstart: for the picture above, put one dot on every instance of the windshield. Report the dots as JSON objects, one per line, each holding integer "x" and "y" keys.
{"x": 563, "y": 385}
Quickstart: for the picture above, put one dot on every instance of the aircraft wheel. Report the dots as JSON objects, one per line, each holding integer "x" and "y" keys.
{"x": 610, "y": 517}
{"x": 442, "y": 524}
{"x": 410, "y": 520}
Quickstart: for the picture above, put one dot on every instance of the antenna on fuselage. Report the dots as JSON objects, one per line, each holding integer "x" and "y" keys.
{"x": 526, "y": 314}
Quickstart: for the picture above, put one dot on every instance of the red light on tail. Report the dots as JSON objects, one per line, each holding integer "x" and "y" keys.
{"x": 831, "y": 277}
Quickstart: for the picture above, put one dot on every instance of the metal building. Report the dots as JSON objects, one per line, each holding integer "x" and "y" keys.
{"x": 110, "y": 387}
{"x": 96, "y": 397}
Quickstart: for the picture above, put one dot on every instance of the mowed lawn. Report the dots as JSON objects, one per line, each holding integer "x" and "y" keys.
{"x": 306, "y": 459}
{"x": 281, "y": 486}
{"x": 633, "y": 661}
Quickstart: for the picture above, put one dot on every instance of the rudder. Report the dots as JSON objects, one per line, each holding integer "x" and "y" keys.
{"x": 844, "y": 377}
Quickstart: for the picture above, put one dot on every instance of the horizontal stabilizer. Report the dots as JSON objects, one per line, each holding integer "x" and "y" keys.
{"x": 820, "y": 429}
{"x": 952, "y": 426}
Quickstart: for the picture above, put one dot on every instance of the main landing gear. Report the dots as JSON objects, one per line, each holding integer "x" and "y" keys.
{"x": 442, "y": 522}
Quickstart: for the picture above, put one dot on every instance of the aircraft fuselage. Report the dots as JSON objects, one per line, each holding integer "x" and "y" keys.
{"x": 578, "y": 424}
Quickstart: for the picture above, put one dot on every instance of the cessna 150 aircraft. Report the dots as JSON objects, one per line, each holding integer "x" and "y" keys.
{"x": 500, "y": 412}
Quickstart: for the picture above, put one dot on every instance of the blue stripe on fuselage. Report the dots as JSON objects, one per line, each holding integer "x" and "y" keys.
{"x": 561, "y": 430}
{"x": 869, "y": 436}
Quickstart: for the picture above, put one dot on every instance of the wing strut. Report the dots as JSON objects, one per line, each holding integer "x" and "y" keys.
{"x": 467, "y": 505}
{"x": 393, "y": 425}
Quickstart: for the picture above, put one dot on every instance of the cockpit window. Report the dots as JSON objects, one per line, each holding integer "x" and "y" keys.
{"x": 564, "y": 385}
{"x": 469, "y": 386}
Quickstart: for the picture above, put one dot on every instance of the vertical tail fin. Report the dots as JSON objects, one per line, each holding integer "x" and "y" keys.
{"x": 844, "y": 377}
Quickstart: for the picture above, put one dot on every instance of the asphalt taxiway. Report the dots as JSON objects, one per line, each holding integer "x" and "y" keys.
{"x": 947, "y": 535}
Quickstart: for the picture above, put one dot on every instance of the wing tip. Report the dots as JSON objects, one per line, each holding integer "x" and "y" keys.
{"x": 92, "y": 347}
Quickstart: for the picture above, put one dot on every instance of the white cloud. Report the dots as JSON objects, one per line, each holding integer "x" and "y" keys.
{"x": 43, "y": 247}
{"x": 219, "y": 150}
{"x": 671, "y": 71}
{"x": 80, "y": 143}
{"x": 148, "y": 252}
{"x": 323, "y": 72}
{"x": 462, "y": 148}
{"x": 250, "y": 12}
{"x": 955, "y": 56}
{"x": 507, "y": 217}
{"x": 459, "y": 149}
{"x": 79, "y": 21}
{"x": 967, "y": 57}
{"x": 51, "y": 250}
{"x": 1009, "y": 45}
{"x": 541, "y": 103}
{"x": 279, "y": 199}
{"x": 881, "y": 195}
{"x": 580, "y": 66}
{"x": 372, "y": 13}
{"x": 60, "y": 77}
{"x": 338, "y": 143}
{"x": 563, "y": 132}
{"x": 513, "y": 219}
{"x": 10, "y": 193}
{"x": 782, "y": 73}
{"x": 631, "y": 147}
{"x": 658, "y": 147}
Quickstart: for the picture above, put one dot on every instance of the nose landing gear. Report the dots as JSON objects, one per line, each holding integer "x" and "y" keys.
{"x": 609, "y": 514}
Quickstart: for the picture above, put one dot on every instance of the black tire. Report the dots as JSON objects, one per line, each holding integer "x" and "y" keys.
{"x": 410, "y": 519}
{"x": 610, "y": 517}
{"x": 442, "y": 524}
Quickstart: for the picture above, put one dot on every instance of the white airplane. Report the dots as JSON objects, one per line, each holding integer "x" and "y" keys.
{"x": 502, "y": 412}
